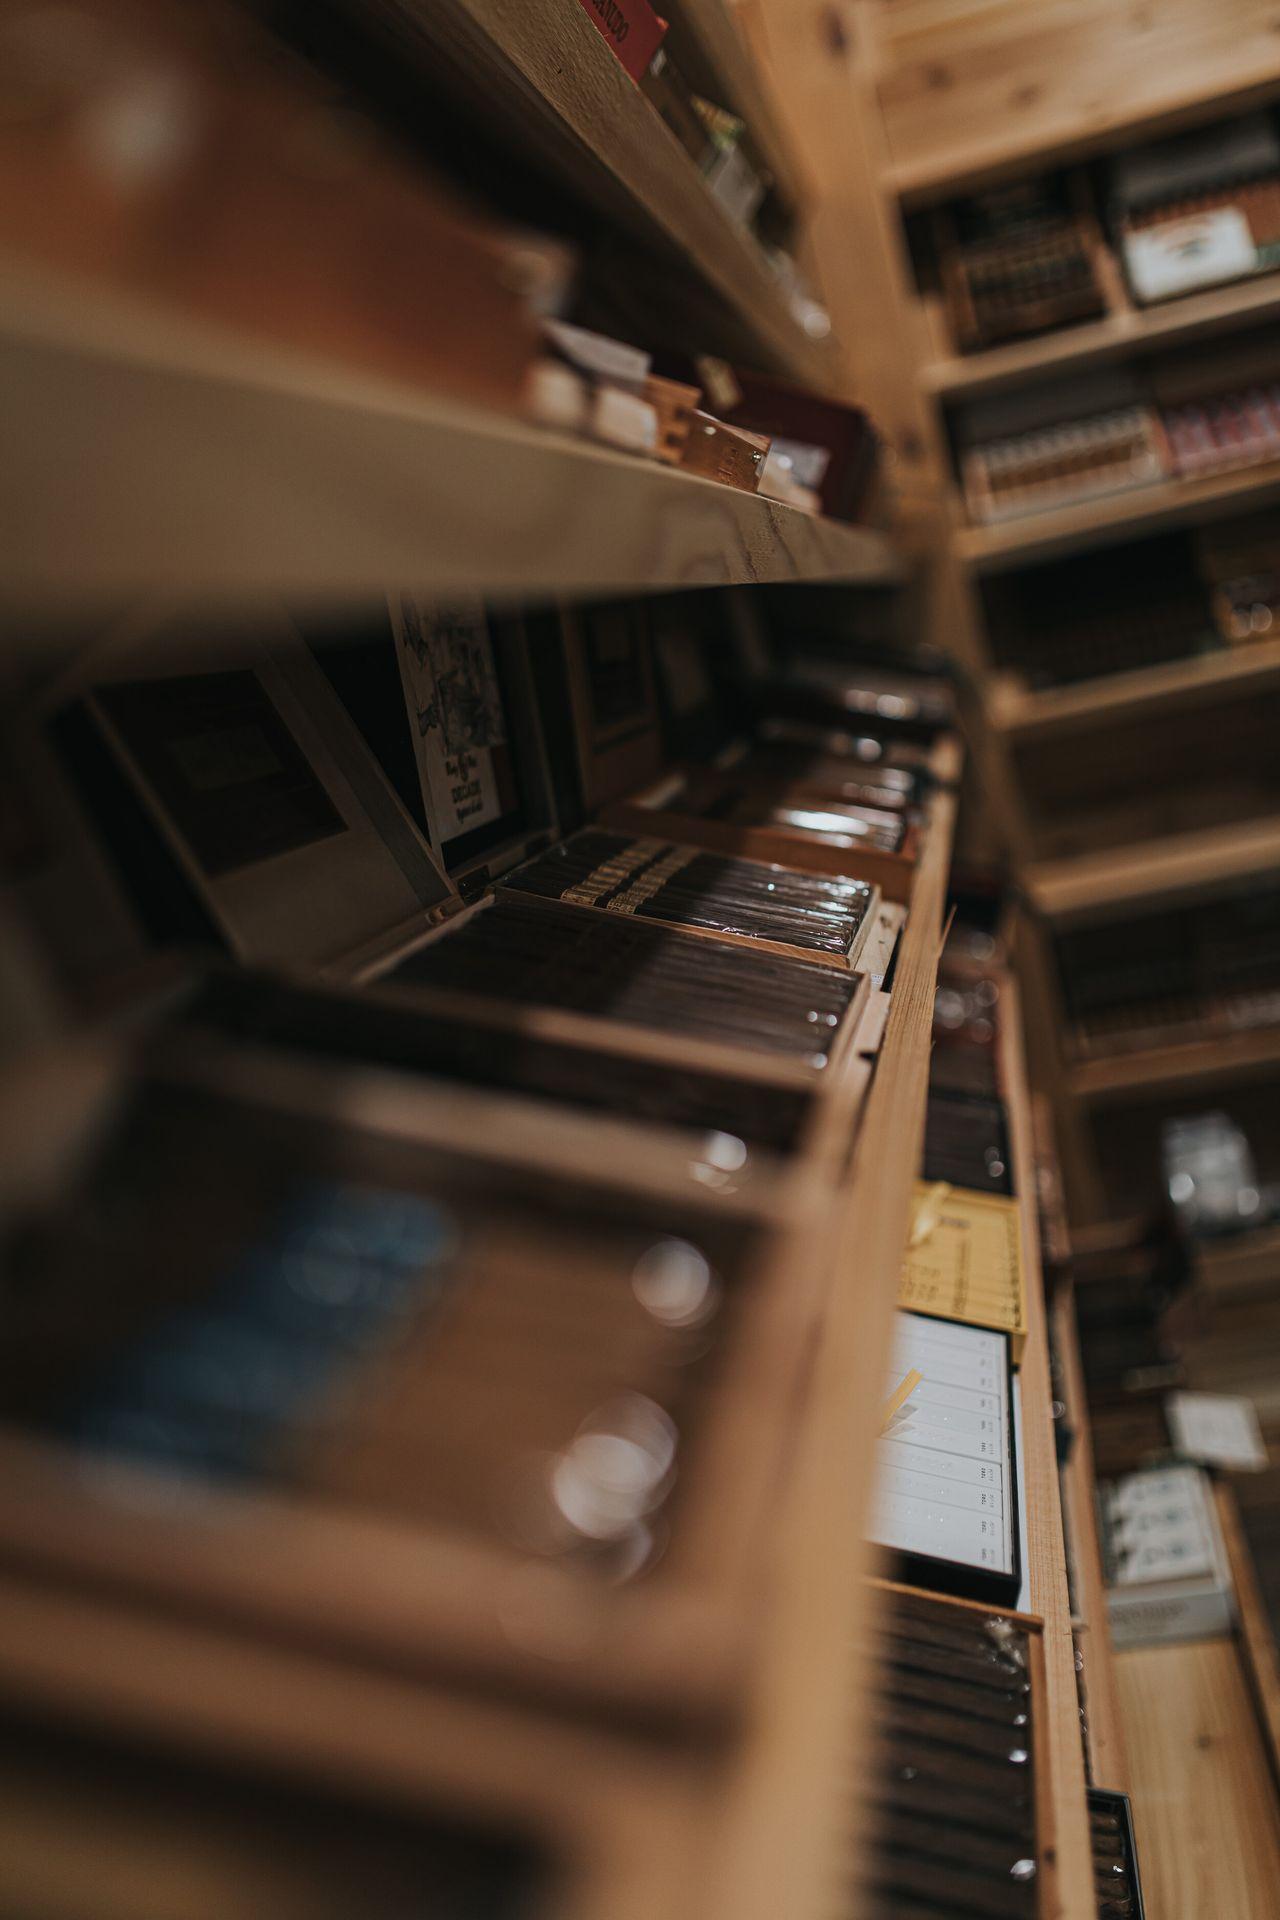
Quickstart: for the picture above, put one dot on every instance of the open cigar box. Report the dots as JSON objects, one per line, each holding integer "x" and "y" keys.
{"x": 440, "y": 1267}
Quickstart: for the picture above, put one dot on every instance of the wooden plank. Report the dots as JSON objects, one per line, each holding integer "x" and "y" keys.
{"x": 1096, "y": 885}
{"x": 1043, "y": 1546}
{"x": 1207, "y": 1822}
{"x": 976, "y": 91}
{"x": 251, "y": 470}
{"x": 543, "y": 76}
{"x": 1228, "y": 672}
{"x": 1104, "y": 1727}
{"x": 1095, "y": 343}
{"x": 1177, "y": 1068}
{"x": 1091, "y": 523}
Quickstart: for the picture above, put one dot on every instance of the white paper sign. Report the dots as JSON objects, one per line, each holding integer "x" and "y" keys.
{"x": 942, "y": 1470}
{"x": 1218, "y": 1429}
{"x": 1199, "y": 251}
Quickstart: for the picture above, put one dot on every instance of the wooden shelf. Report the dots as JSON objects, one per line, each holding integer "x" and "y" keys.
{"x": 543, "y": 77}
{"x": 151, "y": 453}
{"x": 1195, "y": 316}
{"x": 1044, "y": 1548}
{"x": 1226, "y": 673}
{"x": 785, "y": 1841}
{"x": 1041, "y": 134}
{"x": 1171, "y": 503}
{"x": 1105, "y": 1733}
{"x": 1177, "y": 1066}
{"x": 1098, "y": 885}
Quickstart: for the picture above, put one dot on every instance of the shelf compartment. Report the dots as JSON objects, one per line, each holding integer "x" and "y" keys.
{"x": 1251, "y": 667}
{"x": 1095, "y": 343}
{"x": 251, "y": 470}
{"x": 1096, "y": 886}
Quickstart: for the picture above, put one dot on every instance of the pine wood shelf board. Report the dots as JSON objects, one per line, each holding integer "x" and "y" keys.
{"x": 1096, "y": 342}
{"x": 1045, "y": 141}
{"x": 1227, "y": 672}
{"x": 91, "y": 1658}
{"x": 1044, "y": 1546}
{"x": 545, "y": 78}
{"x": 1105, "y": 1731}
{"x": 749, "y": 92}
{"x": 1168, "y": 1069}
{"x": 1068, "y": 529}
{"x": 1097, "y": 885}
{"x": 1253, "y": 1625}
{"x": 1207, "y": 1824}
{"x": 251, "y": 470}
{"x": 785, "y": 1840}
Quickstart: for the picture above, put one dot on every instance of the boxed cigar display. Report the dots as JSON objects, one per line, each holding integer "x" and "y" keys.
{"x": 1017, "y": 260}
{"x": 964, "y": 1260}
{"x": 964, "y": 1035}
{"x": 376, "y": 1346}
{"x": 1218, "y": 425}
{"x": 1164, "y": 1559}
{"x": 297, "y": 223}
{"x": 956, "y": 1773}
{"x": 703, "y": 893}
{"x": 1199, "y": 210}
{"x": 1116, "y": 611}
{"x": 946, "y": 1497}
{"x": 83, "y": 1819}
{"x": 1115, "y": 1856}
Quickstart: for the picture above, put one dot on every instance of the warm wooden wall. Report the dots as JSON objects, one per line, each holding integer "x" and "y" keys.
{"x": 966, "y": 84}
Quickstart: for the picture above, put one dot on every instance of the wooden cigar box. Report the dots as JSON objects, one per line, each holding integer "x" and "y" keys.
{"x": 265, "y": 205}
{"x": 730, "y": 455}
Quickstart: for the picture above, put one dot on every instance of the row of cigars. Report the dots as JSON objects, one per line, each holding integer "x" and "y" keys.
{"x": 1181, "y": 216}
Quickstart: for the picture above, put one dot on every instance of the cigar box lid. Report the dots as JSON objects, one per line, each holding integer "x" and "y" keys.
{"x": 257, "y": 792}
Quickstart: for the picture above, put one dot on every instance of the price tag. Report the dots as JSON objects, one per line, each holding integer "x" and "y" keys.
{"x": 1198, "y": 251}
{"x": 1217, "y": 1429}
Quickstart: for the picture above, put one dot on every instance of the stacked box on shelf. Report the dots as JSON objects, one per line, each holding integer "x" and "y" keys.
{"x": 1056, "y": 446}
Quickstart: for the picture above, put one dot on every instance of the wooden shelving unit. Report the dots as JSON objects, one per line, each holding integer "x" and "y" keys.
{"x": 545, "y": 80}
{"x": 313, "y": 479}
{"x": 1028, "y": 714}
{"x": 1025, "y": 98}
{"x": 1094, "y": 343}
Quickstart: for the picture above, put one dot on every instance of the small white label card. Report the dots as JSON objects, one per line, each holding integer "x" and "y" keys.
{"x": 1199, "y": 251}
{"x": 1217, "y": 1429}
{"x": 944, "y": 1482}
